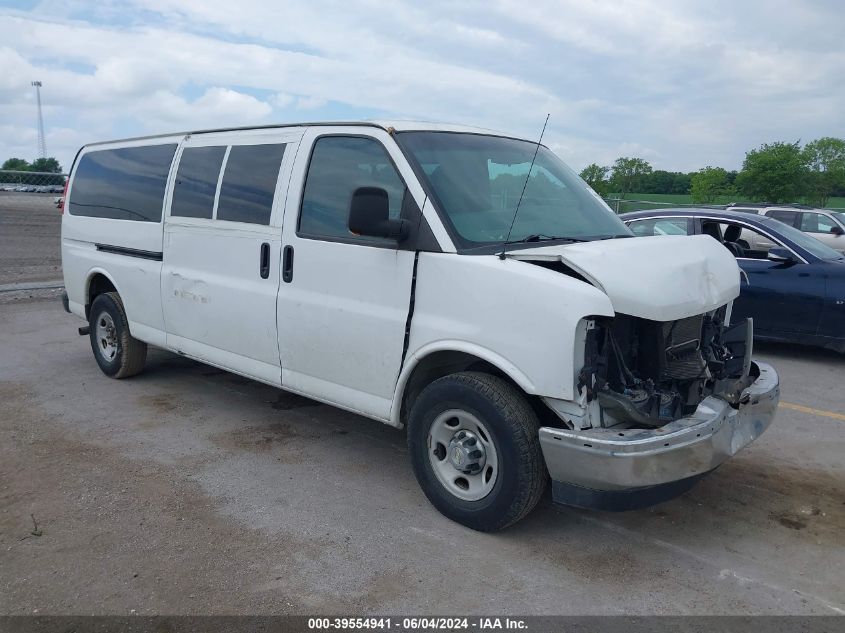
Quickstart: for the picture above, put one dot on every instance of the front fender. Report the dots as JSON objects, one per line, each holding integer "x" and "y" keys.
{"x": 451, "y": 345}
{"x": 521, "y": 317}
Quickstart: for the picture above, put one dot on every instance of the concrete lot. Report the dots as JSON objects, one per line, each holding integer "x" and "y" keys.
{"x": 191, "y": 490}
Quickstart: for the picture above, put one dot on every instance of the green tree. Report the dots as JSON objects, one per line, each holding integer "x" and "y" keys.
{"x": 627, "y": 174}
{"x": 709, "y": 182}
{"x": 682, "y": 183}
{"x": 18, "y": 164}
{"x": 777, "y": 172}
{"x": 50, "y": 165}
{"x": 825, "y": 161}
{"x": 658, "y": 181}
{"x": 46, "y": 164}
{"x": 596, "y": 176}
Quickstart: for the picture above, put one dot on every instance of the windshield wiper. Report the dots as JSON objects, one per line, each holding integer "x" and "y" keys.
{"x": 540, "y": 237}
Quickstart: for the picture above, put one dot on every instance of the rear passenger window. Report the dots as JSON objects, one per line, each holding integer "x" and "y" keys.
{"x": 196, "y": 182}
{"x": 787, "y": 217}
{"x": 660, "y": 226}
{"x": 816, "y": 223}
{"x": 249, "y": 183}
{"x": 339, "y": 166}
{"x": 122, "y": 184}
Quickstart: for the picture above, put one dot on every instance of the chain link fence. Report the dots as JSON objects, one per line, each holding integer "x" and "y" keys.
{"x": 621, "y": 205}
{"x": 30, "y": 228}
{"x": 35, "y": 190}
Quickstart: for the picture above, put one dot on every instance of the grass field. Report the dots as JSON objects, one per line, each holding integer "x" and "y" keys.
{"x": 670, "y": 198}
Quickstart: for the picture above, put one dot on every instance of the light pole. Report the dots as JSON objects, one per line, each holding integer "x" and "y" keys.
{"x": 42, "y": 145}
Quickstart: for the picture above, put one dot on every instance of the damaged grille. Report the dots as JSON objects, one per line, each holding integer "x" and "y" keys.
{"x": 656, "y": 350}
{"x": 647, "y": 372}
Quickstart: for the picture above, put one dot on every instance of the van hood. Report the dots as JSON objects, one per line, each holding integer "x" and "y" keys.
{"x": 662, "y": 278}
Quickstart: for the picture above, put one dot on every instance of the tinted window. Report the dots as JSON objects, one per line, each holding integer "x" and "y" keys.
{"x": 787, "y": 217}
{"x": 816, "y": 223}
{"x": 339, "y": 165}
{"x": 122, "y": 184}
{"x": 249, "y": 183}
{"x": 660, "y": 226}
{"x": 196, "y": 182}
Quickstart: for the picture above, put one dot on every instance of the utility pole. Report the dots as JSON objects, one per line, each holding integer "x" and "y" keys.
{"x": 42, "y": 145}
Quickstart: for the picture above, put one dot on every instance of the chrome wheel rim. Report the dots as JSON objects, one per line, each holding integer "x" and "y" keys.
{"x": 106, "y": 336}
{"x": 462, "y": 455}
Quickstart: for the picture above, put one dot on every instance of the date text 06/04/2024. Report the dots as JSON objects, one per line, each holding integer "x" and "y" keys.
{"x": 416, "y": 623}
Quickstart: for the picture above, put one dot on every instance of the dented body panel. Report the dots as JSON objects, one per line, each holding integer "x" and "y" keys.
{"x": 469, "y": 303}
{"x": 658, "y": 278}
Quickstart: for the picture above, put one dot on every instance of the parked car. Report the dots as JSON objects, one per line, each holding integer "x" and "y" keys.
{"x": 823, "y": 224}
{"x": 390, "y": 270}
{"x": 793, "y": 285}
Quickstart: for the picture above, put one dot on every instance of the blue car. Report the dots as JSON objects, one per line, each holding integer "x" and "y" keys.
{"x": 793, "y": 286}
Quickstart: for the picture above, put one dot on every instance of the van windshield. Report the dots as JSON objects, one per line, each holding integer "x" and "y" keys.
{"x": 476, "y": 182}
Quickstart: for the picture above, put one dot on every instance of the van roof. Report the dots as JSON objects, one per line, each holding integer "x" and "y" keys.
{"x": 397, "y": 125}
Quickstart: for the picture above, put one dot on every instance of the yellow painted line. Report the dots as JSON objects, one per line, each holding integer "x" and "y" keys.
{"x": 811, "y": 410}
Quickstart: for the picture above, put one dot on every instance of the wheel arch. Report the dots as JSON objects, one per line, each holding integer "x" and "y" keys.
{"x": 447, "y": 357}
{"x": 97, "y": 282}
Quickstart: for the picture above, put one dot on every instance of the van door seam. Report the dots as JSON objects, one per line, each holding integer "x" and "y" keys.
{"x": 281, "y": 253}
{"x": 410, "y": 312}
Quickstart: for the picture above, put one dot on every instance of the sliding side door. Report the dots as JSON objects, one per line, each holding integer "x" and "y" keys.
{"x": 222, "y": 247}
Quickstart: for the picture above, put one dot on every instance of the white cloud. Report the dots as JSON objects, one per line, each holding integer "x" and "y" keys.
{"x": 282, "y": 99}
{"x": 683, "y": 85}
{"x": 310, "y": 103}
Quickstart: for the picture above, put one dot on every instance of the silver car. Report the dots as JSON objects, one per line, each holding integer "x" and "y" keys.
{"x": 823, "y": 224}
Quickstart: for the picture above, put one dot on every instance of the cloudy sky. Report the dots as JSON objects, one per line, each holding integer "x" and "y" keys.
{"x": 681, "y": 84}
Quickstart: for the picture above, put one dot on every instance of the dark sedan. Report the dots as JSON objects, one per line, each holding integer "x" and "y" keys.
{"x": 793, "y": 286}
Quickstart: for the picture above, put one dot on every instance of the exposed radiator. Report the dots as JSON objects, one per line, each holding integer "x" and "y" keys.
{"x": 683, "y": 348}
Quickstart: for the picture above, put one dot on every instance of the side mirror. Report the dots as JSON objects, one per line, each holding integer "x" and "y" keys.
{"x": 837, "y": 230}
{"x": 369, "y": 215}
{"x": 778, "y": 254}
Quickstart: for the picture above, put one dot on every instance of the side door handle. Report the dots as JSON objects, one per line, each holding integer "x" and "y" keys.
{"x": 287, "y": 264}
{"x": 264, "y": 263}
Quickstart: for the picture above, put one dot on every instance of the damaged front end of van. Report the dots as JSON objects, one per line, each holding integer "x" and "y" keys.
{"x": 666, "y": 388}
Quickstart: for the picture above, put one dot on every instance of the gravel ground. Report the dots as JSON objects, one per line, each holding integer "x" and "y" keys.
{"x": 191, "y": 490}
{"x": 30, "y": 238}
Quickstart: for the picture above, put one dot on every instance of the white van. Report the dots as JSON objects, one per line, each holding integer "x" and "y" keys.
{"x": 365, "y": 265}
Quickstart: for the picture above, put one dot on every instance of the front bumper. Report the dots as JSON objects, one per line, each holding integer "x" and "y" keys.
{"x": 659, "y": 463}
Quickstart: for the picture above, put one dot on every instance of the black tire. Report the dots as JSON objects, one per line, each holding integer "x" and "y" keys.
{"x": 130, "y": 354}
{"x": 514, "y": 427}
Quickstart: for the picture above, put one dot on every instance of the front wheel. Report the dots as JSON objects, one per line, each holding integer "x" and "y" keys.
{"x": 475, "y": 450}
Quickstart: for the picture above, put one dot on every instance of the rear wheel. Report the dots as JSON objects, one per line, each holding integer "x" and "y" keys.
{"x": 117, "y": 353}
{"x": 475, "y": 450}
